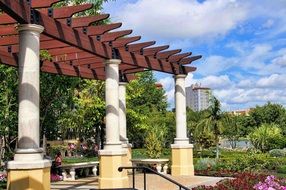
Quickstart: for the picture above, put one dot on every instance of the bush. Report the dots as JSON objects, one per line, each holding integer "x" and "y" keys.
{"x": 277, "y": 152}
{"x": 267, "y": 137}
{"x": 282, "y": 169}
{"x": 244, "y": 181}
{"x": 53, "y": 150}
{"x": 154, "y": 141}
{"x": 205, "y": 163}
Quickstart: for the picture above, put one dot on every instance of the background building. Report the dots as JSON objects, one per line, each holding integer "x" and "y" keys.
{"x": 198, "y": 97}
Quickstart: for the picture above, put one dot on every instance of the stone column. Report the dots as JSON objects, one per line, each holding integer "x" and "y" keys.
{"x": 122, "y": 123}
{"x": 182, "y": 151}
{"x": 113, "y": 155}
{"x": 28, "y": 170}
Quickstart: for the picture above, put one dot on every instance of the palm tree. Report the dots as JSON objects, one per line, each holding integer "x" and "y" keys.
{"x": 213, "y": 122}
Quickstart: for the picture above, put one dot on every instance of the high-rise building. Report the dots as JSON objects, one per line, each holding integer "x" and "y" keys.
{"x": 198, "y": 97}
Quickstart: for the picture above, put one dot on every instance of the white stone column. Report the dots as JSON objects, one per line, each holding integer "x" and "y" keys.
{"x": 180, "y": 103}
{"x": 122, "y": 124}
{"x": 113, "y": 155}
{"x": 122, "y": 113}
{"x": 28, "y": 170}
{"x": 112, "y": 104}
{"x": 182, "y": 151}
{"x": 29, "y": 93}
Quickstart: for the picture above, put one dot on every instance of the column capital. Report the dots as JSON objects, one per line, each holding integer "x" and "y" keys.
{"x": 180, "y": 76}
{"x": 31, "y": 27}
{"x": 112, "y": 61}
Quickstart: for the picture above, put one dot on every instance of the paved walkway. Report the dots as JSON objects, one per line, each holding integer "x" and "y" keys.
{"x": 154, "y": 182}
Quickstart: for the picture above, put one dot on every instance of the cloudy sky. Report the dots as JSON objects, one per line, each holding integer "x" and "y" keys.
{"x": 243, "y": 43}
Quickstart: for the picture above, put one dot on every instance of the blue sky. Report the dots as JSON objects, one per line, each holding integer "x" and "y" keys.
{"x": 243, "y": 43}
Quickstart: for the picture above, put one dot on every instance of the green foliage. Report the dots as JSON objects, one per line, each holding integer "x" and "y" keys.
{"x": 141, "y": 153}
{"x": 282, "y": 169}
{"x": 197, "y": 131}
{"x": 9, "y": 110}
{"x": 277, "y": 152}
{"x": 53, "y": 150}
{"x": 204, "y": 164}
{"x": 270, "y": 113}
{"x": 154, "y": 141}
{"x": 57, "y": 94}
{"x": 231, "y": 129}
{"x": 146, "y": 105}
{"x": 212, "y": 122}
{"x": 267, "y": 137}
{"x": 86, "y": 112}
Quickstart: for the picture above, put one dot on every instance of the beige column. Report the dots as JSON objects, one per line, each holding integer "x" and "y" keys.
{"x": 182, "y": 151}
{"x": 29, "y": 170}
{"x": 122, "y": 123}
{"x": 113, "y": 155}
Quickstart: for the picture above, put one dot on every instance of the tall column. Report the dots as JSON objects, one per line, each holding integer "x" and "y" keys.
{"x": 113, "y": 155}
{"x": 122, "y": 123}
{"x": 29, "y": 170}
{"x": 182, "y": 151}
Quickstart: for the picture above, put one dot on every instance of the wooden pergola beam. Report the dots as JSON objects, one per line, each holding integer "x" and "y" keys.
{"x": 75, "y": 45}
{"x": 139, "y": 46}
{"x": 43, "y": 4}
{"x": 177, "y": 57}
{"x": 19, "y": 12}
{"x": 111, "y": 36}
{"x": 83, "y": 21}
{"x": 154, "y": 50}
{"x": 167, "y": 54}
{"x": 65, "y": 12}
{"x": 101, "y": 29}
{"x": 122, "y": 42}
{"x": 189, "y": 60}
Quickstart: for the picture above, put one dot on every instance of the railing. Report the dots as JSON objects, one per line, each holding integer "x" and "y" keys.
{"x": 145, "y": 169}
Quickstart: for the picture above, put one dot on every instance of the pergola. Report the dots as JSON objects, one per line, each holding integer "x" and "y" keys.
{"x": 81, "y": 47}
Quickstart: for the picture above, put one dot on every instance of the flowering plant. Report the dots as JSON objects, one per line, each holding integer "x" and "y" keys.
{"x": 270, "y": 183}
{"x": 71, "y": 146}
{"x": 3, "y": 177}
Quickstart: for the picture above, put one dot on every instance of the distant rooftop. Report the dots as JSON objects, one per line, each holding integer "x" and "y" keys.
{"x": 197, "y": 86}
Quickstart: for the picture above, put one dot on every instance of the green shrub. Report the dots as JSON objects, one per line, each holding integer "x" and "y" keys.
{"x": 282, "y": 169}
{"x": 53, "y": 150}
{"x": 154, "y": 141}
{"x": 277, "y": 153}
{"x": 204, "y": 164}
{"x": 267, "y": 137}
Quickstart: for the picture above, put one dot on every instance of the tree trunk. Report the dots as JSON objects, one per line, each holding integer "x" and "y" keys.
{"x": 217, "y": 150}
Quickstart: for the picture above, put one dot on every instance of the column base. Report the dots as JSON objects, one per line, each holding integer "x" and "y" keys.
{"x": 182, "y": 160}
{"x": 109, "y": 176}
{"x": 128, "y": 157}
{"x": 28, "y": 175}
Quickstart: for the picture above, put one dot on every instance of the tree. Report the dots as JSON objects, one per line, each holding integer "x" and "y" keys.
{"x": 270, "y": 113}
{"x": 145, "y": 102}
{"x": 9, "y": 109}
{"x": 86, "y": 113}
{"x": 231, "y": 129}
{"x": 202, "y": 136}
{"x": 213, "y": 122}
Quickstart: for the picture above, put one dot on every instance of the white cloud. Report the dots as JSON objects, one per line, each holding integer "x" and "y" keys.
{"x": 216, "y": 82}
{"x": 182, "y": 19}
{"x": 280, "y": 60}
{"x": 273, "y": 81}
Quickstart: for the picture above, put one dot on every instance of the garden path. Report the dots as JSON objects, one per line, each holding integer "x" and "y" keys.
{"x": 153, "y": 182}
